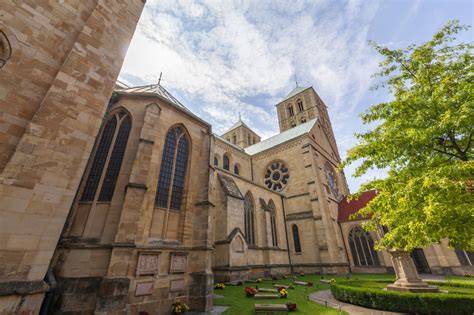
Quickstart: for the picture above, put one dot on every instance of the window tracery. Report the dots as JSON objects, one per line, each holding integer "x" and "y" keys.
{"x": 332, "y": 181}
{"x": 114, "y": 135}
{"x": 362, "y": 248}
{"x": 249, "y": 219}
{"x": 276, "y": 176}
{"x": 171, "y": 181}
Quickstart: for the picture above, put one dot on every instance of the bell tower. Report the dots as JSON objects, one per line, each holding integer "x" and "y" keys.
{"x": 298, "y": 107}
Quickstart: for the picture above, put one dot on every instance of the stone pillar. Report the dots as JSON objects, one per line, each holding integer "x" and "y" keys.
{"x": 407, "y": 279}
{"x": 40, "y": 178}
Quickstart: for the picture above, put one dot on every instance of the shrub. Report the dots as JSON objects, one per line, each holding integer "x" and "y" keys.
{"x": 220, "y": 286}
{"x": 179, "y": 307}
{"x": 404, "y": 302}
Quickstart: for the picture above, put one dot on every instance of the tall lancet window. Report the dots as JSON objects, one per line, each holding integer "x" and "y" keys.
{"x": 291, "y": 112}
{"x": 109, "y": 156}
{"x": 225, "y": 162}
{"x": 362, "y": 248}
{"x": 174, "y": 162}
{"x": 273, "y": 228}
{"x": 249, "y": 219}
{"x": 300, "y": 105}
{"x": 296, "y": 238}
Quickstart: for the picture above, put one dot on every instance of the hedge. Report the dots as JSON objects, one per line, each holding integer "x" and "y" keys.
{"x": 405, "y": 302}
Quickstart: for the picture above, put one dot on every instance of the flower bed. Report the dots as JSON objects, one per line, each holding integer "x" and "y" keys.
{"x": 372, "y": 295}
{"x": 250, "y": 292}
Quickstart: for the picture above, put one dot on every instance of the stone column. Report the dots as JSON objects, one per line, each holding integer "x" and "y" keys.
{"x": 408, "y": 279}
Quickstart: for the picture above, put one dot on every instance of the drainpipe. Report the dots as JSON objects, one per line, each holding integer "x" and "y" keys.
{"x": 48, "y": 299}
{"x": 345, "y": 248}
{"x": 286, "y": 234}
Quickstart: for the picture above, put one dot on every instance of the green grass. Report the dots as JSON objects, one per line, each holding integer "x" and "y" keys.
{"x": 239, "y": 304}
{"x": 234, "y": 297}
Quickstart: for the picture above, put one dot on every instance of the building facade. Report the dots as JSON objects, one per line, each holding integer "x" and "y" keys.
{"x": 125, "y": 203}
{"x": 59, "y": 61}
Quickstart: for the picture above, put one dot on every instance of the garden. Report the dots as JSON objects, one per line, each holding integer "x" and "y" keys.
{"x": 361, "y": 286}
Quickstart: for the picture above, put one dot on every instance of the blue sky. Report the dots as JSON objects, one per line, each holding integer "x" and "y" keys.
{"x": 220, "y": 58}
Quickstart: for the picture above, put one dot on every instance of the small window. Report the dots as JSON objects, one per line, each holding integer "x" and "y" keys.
{"x": 291, "y": 111}
{"x": 254, "y": 140}
{"x": 293, "y": 124}
{"x": 216, "y": 161}
{"x": 234, "y": 139}
{"x": 236, "y": 169}
{"x": 225, "y": 162}
{"x": 296, "y": 239}
{"x": 303, "y": 120}
{"x": 300, "y": 105}
{"x": 248, "y": 139}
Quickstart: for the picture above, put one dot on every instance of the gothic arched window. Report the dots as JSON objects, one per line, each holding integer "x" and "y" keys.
{"x": 300, "y": 105}
{"x": 234, "y": 138}
{"x": 362, "y": 248}
{"x": 249, "y": 219}
{"x": 236, "y": 169}
{"x": 291, "y": 112}
{"x": 296, "y": 238}
{"x": 303, "y": 120}
{"x": 465, "y": 258}
{"x": 114, "y": 135}
{"x": 174, "y": 162}
{"x": 248, "y": 139}
{"x": 225, "y": 162}
{"x": 271, "y": 206}
{"x": 216, "y": 161}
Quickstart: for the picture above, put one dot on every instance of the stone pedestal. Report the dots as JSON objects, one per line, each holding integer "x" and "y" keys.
{"x": 407, "y": 276}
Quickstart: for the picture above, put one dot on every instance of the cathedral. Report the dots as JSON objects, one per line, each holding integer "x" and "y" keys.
{"x": 120, "y": 200}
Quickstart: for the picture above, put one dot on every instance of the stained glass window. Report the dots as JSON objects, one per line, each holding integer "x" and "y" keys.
{"x": 249, "y": 219}
{"x": 362, "y": 248}
{"x": 273, "y": 228}
{"x": 116, "y": 158}
{"x": 276, "y": 176}
{"x": 296, "y": 238}
{"x": 172, "y": 179}
{"x": 225, "y": 162}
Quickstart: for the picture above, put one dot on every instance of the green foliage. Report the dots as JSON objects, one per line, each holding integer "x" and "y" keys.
{"x": 423, "y": 137}
{"x": 424, "y": 303}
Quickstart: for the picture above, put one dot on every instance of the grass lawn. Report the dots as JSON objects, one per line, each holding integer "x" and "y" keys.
{"x": 234, "y": 296}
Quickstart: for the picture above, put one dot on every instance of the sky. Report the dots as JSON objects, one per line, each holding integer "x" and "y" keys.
{"x": 222, "y": 58}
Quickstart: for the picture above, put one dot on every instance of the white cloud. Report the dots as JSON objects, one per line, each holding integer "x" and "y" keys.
{"x": 228, "y": 57}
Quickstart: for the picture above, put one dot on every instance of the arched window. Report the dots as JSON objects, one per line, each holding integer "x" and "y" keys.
{"x": 296, "y": 238}
{"x": 253, "y": 140}
{"x": 236, "y": 169}
{"x": 362, "y": 248}
{"x": 291, "y": 112}
{"x": 465, "y": 258}
{"x": 115, "y": 135}
{"x": 225, "y": 162}
{"x": 293, "y": 124}
{"x": 216, "y": 161}
{"x": 234, "y": 138}
{"x": 300, "y": 105}
{"x": 248, "y": 139}
{"x": 248, "y": 219}
{"x": 174, "y": 162}
{"x": 271, "y": 206}
{"x": 303, "y": 120}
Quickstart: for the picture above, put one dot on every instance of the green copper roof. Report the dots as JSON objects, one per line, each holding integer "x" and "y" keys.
{"x": 281, "y": 138}
{"x": 295, "y": 91}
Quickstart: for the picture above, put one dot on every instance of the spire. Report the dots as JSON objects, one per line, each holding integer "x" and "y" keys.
{"x": 159, "y": 79}
{"x": 296, "y": 80}
{"x": 240, "y": 118}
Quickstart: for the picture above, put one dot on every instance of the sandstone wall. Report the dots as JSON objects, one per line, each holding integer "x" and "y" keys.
{"x": 65, "y": 60}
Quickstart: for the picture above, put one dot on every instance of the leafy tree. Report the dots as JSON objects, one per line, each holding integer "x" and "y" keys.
{"x": 423, "y": 137}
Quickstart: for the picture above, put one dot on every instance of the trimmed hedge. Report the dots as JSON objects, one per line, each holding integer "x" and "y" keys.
{"x": 405, "y": 302}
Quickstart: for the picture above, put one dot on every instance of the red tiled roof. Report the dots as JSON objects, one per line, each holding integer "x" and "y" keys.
{"x": 346, "y": 207}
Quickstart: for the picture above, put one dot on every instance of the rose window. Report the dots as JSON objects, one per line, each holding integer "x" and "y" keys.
{"x": 276, "y": 176}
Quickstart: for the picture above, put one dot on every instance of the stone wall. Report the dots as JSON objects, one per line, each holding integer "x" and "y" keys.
{"x": 65, "y": 60}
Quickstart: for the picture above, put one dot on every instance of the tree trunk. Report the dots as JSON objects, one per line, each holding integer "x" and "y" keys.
{"x": 408, "y": 279}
